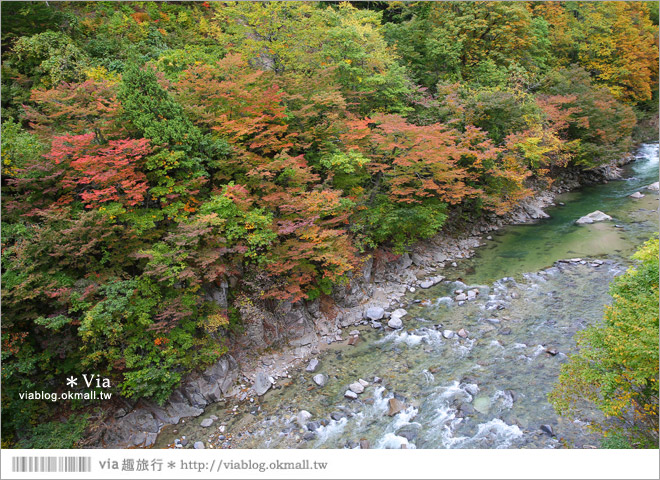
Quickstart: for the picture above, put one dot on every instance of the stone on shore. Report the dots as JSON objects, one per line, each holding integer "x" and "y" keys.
{"x": 636, "y": 195}
{"x": 313, "y": 363}
{"x": 654, "y": 187}
{"x": 374, "y": 313}
{"x": 261, "y": 384}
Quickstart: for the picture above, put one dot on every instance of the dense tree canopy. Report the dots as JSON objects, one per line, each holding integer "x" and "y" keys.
{"x": 152, "y": 151}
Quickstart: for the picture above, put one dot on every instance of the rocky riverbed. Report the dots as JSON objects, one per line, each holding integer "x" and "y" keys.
{"x": 278, "y": 344}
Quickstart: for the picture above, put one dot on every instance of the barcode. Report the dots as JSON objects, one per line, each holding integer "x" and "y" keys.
{"x": 51, "y": 464}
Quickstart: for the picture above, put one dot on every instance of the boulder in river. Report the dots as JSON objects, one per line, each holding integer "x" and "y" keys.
{"x": 548, "y": 429}
{"x": 395, "y": 406}
{"x": 596, "y": 216}
{"x": 374, "y": 313}
{"x": 302, "y": 417}
{"x": 261, "y": 384}
{"x": 636, "y": 195}
{"x": 399, "y": 312}
{"x": 320, "y": 379}
{"x": 395, "y": 323}
{"x": 356, "y": 387}
{"x": 448, "y": 334}
{"x": 313, "y": 363}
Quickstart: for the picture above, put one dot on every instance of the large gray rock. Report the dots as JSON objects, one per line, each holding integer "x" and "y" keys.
{"x": 356, "y": 387}
{"x": 374, "y": 313}
{"x": 313, "y": 363}
{"x": 596, "y": 216}
{"x": 395, "y": 323}
{"x": 261, "y": 384}
{"x": 320, "y": 379}
{"x": 303, "y": 417}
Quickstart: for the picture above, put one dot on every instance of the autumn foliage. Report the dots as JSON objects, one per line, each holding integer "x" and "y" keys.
{"x": 155, "y": 152}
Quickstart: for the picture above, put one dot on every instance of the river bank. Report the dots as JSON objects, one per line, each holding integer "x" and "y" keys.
{"x": 275, "y": 343}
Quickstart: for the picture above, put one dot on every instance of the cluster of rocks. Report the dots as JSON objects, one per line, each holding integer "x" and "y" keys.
{"x": 355, "y": 389}
{"x": 463, "y": 295}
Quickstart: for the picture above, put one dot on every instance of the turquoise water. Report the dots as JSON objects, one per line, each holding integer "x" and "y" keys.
{"x": 488, "y": 390}
{"x": 531, "y": 247}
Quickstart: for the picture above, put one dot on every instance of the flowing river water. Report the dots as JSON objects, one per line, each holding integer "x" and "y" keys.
{"x": 488, "y": 390}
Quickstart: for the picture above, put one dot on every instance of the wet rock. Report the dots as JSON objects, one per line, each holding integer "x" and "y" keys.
{"x": 356, "y": 387}
{"x": 313, "y": 363}
{"x": 465, "y": 410}
{"x": 320, "y": 379}
{"x": 472, "y": 389}
{"x": 364, "y": 383}
{"x": 336, "y": 416}
{"x": 374, "y": 313}
{"x": 184, "y": 441}
{"x": 313, "y": 426}
{"x": 462, "y": 333}
{"x": 472, "y": 294}
{"x": 395, "y": 323}
{"x": 377, "y": 379}
{"x": 302, "y": 417}
{"x": 548, "y": 429}
{"x": 350, "y": 394}
{"x": 395, "y": 406}
{"x": 376, "y": 325}
{"x": 552, "y": 351}
{"x": 364, "y": 444}
{"x": 636, "y": 195}
{"x": 207, "y": 422}
{"x": 654, "y": 187}
{"x": 448, "y": 334}
{"x": 410, "y": 432}
{"x": 411, "y": 289}
{"x": 199, "y": 445}
{"x": 309, "y": 436}
{"x": 261, "y": 384}
{"x": 596, "y": 216}
{"x": 461, "y": 297}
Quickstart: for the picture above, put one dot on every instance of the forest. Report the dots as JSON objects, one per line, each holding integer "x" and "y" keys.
{"x": 153, "y": 151}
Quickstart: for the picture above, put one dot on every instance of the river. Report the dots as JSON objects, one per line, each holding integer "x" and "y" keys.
{"x": 488, "y": 390}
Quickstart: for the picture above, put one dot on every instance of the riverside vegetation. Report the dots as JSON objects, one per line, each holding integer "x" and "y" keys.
{"x": 153, "y": 153}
